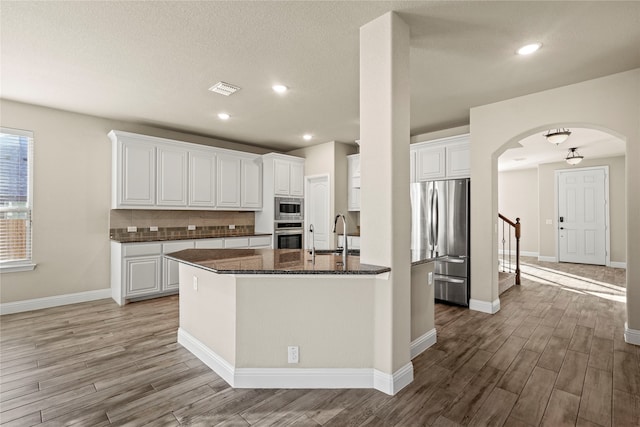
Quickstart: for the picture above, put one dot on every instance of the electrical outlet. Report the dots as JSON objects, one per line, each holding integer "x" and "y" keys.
{"x": 132, "y": 229}
{"x": 549, "y": 222}
{"x": 191, "y": 227}
{"x": 232, "y": 226}
{"x": 293, "y": 354}
{"x": 195, "y": 283}
{"x": 430, "y": 278}
{"x": 153, "y": 228}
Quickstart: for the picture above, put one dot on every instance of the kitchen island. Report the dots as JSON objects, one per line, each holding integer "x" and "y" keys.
{"x": 241, "y": 311}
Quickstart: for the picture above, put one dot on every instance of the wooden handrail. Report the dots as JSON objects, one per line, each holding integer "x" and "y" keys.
{"x": 516, "y": 226}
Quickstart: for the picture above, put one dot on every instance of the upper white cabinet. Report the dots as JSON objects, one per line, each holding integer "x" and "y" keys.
{"x": 288, "y": 175}
{"x": 353, "y": 182}
{"x": 441, "y": 159}
{"x": 158, "y": 173}
{"x": 202, "y": 179}
{"x": 134, "y": 168}
{"x": 172, "y": 176}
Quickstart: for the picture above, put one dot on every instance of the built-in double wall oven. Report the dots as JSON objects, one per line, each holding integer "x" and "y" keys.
{"x": 288, "y": 228}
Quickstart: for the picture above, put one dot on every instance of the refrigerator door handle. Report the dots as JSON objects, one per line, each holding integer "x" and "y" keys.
{"x": 437, "y": 219}
{"x": 431, "y": 232}
{"x": 447, "y": 279}
{"x": 453, "y": 260}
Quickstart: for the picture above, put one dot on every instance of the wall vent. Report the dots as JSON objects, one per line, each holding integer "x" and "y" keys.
{"x": 223, "y": 88}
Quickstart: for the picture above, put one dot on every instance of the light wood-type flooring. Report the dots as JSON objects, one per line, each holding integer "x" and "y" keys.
{"x": 554, "y": 355}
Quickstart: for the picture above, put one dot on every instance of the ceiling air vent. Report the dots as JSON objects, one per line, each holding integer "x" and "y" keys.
{"x": 223, "y": 88}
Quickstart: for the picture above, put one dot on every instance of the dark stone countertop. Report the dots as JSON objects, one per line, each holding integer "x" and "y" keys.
{"x": 273, "y": 261}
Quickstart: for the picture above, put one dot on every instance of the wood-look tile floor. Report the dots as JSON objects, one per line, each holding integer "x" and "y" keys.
{"x": 554, "y": 355}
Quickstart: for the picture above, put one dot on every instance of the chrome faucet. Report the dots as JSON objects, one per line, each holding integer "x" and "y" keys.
{"x": 313, "y": 244}
{"x": 344, "y": 237}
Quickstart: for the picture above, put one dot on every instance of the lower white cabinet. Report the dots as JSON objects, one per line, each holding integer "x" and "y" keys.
{"x": 140, "y": 270}
{"x": 353, "y": 242}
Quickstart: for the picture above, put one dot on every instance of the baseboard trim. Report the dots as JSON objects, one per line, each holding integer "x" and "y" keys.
{"x": 617, "y": 264}
{"x": 484, "y": 306}
{"x": 296, "y": 377}
{"x": 54, "y": 301}
{"x": 631, "y": 336}
{"x": 420, "y": 344}
{"x": 547, "y": 258}
{"x": 210, "y": 358}
{"x": 523, "y": 253}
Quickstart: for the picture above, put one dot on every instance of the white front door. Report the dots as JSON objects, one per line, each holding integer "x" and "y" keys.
{"x": 582, "y": 216}
{"x": 317, "y": 212}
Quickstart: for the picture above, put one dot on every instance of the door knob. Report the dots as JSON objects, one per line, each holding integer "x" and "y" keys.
{"x": 561, "y": 228}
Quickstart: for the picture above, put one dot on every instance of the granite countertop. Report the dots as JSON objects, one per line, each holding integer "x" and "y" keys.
{"x": 187, "y": 235}
{"x": 273, "y": 261}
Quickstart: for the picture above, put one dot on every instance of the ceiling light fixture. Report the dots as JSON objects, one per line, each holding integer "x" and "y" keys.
{"x": 279, "y": 88}
{"x": 557, "y": 136}
{"x": 529, "y": 49}
{"x": 573, "y": 157}
{"x": 307, "y": 137}
{"x": 223, "y": 116}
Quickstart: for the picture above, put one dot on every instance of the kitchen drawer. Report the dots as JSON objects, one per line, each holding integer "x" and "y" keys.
{"x": 260, "y": 241}
{"x": 236, "y": 242}
{"x": 168, "y": 248}
{"x": 451, "y": 289}
{"x": 141, "y": 249}
{"x": 452, "y": 266}
{"x": 210, "y": 244}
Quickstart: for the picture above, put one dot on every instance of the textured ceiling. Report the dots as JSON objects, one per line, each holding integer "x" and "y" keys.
{"x": 152, "y": 62}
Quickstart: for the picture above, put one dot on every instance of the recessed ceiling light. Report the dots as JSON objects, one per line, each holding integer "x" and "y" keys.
{"x": 279, "y": 88}
{"x": 223, "y": 116}
{"x": 307, "y": 137}
{"x": 529, "y": 49}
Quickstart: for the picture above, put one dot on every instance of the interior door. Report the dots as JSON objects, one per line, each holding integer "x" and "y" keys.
{"x": 582, "y": 216}
{"x": 317, "y": 212}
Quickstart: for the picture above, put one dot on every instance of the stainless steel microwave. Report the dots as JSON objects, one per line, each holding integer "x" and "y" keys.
{"x": 289, "y": 209}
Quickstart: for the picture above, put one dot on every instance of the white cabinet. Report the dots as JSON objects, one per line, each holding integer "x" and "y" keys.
{"x": 353, "y": 242}
{"x": 288, "y": 176}
{"x": 135, "y": 170}
{"x": 251, "y": 183}
{"x": 158, "y": 173}
{"x": 229, "y": 175}
{"x": 210, "y": 244}
{"x": 353, "y": 182}
{"x": 239, "y": 182}
{"x": 172, "y": 176}
{"x": 445, "y": 158}
{"x": 202, "y": 179}
{"x": 430, "y": 163}
{"x": 170, "y": 270}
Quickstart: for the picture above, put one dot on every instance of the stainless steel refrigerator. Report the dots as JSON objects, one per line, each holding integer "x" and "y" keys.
{"x": 440, "y": 228}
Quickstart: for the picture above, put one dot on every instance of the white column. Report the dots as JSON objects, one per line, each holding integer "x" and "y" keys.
{"x": 385, "y": 204}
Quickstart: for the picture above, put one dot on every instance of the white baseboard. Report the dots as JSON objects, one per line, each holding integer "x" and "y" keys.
{"x": 423, "y": 342}
{"x": 547, "y": 258}
{"x": 631, "y": 336}
{"x": 484, "y": 306}
{"x": 296, "y": 377}
{"x": 617, "y": 264}
{"x": 54, "y": 301}
{"x": 523, "y": 253}
{"x": 210, "y": 358}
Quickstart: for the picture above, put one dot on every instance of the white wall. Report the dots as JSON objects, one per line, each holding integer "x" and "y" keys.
{"x": 72, "y": 198}
{"x": 611, "y": 104}
{"x": 518, "y": 198}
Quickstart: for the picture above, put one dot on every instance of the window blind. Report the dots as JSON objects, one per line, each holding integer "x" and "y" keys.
{"x": 16, "y": 164}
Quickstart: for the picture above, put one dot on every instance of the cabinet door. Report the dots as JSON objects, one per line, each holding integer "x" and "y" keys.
{"x": 353, "y": 199}
{"x": 142, "y": 275}
{"x": 171, "y": 268}
{"x": 172, "y": 177}
{"x": 431, "y": 163}
{"x": 459, "y": 160}
{"x": 412, "y": 166}
{"x": 138, "y": 174}
{"x": 251, "y": 183}
{"x": 202, "y": 179}
{"x": 281, "y": 178}
{"x": 228, "y": 185}
{"x": 296, "y": 179}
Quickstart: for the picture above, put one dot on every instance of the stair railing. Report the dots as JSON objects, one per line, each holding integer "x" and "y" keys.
{"x": 507, "y": 227}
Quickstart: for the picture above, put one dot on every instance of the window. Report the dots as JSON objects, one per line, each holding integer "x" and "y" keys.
{"x": 16, "y": 182}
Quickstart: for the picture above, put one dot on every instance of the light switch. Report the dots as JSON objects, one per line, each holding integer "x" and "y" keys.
{"x": 549, "y": 222}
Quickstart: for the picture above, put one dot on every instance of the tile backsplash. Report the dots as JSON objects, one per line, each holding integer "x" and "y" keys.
{"x": 143, "y": 219}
